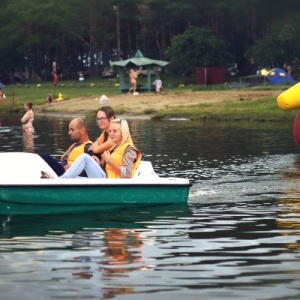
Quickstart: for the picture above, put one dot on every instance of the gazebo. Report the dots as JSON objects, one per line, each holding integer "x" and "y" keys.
{"x": 137, "y": 61}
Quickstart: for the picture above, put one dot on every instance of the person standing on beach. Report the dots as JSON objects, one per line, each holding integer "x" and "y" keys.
{"x": 157, "y": 85}
{"x": 133, "y": 75}
{"x": 2, "y": 95}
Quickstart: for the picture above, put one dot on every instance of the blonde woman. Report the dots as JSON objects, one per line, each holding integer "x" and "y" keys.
{"x": 123, "y": 160}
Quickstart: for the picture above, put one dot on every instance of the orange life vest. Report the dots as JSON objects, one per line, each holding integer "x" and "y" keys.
{"x": 117, "y": 156}
{"x": 74, "y": 151}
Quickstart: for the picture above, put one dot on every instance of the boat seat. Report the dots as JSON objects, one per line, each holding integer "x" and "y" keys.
{"x": 145, "y": 170}
{"x": 22, "y": 166}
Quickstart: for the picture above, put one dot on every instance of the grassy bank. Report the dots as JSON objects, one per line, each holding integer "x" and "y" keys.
{"x": 37, "y": 93}
{"x": 243, "y": 108}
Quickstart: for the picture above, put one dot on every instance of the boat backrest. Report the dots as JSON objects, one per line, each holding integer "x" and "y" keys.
{"x": 19, "y": 166}
{"x": 145, "y": 170}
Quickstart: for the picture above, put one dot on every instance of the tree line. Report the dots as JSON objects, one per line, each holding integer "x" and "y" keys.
{"x": 84, "y": 36}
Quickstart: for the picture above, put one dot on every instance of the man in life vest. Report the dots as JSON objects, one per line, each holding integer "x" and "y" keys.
{"x": 81, "y": 143}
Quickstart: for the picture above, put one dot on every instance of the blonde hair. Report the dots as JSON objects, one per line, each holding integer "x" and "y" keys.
{"x": 126, "y": 137}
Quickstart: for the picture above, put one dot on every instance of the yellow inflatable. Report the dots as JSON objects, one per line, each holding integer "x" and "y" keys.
{"x": 290, "y": 99}
{"x": 60, "y": 97}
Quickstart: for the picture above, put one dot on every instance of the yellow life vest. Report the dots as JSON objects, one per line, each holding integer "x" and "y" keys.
{"x": 117, "y": 156}
{"x": 101, "y": 138}
{"x": 74, "y": 151}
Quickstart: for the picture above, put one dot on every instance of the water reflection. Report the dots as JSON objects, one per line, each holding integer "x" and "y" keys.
{"x": 123, "y": 255}
{"x": 288, "y": 221}
{"x": 28, "y": 142}
{"x": 165, "y": 141}
{"x": 133, "y": 218}
{"x": 123, "y": 248}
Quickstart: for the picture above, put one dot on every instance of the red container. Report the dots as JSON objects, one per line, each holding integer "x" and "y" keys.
{"x": 210, "y": 75}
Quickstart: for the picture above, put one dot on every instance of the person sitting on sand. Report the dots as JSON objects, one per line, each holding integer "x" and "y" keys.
{"x": 50, "y": 98}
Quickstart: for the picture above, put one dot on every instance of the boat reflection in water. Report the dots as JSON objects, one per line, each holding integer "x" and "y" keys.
{"x": 100, "y": 248}
{"x": 131, "y": 218}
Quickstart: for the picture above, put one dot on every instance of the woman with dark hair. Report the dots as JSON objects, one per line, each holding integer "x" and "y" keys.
{"x": 104, "y": 116}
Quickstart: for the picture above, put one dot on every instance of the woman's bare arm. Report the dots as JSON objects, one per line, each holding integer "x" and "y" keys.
{"x": 100, "y": 148}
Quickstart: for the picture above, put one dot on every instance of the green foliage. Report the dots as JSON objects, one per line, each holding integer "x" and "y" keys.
{"x": 82, "y": 35}
{"x": 197, "y": 47}
{"x": 280, "y": 45}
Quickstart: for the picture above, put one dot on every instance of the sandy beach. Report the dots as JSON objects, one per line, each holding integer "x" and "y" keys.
{"x": 135, "y": 106}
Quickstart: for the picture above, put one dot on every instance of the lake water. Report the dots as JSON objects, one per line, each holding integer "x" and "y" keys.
{"x": 237, "y": 238}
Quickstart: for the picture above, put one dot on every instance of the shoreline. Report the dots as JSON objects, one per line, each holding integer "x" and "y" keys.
{"x": 147, "y": 105}
{"x": 76, "y": 114}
